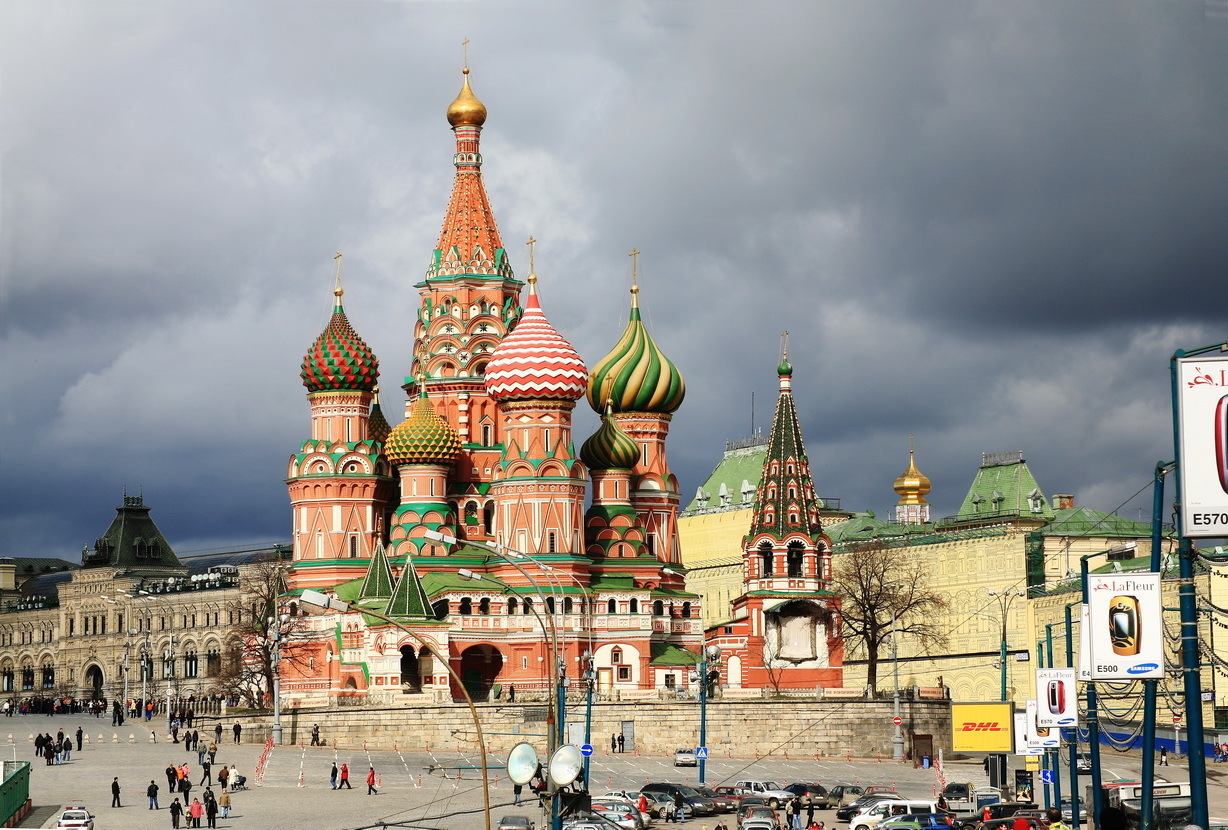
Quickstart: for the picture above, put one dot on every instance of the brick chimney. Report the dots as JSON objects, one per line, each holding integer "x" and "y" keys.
{"x": 1062, "y": 501}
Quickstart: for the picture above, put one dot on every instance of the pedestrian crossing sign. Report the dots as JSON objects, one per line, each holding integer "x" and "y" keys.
{"x": 701, "y": 752}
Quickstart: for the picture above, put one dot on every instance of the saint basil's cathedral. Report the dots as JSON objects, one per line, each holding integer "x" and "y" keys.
{"x": 466, "y": 522}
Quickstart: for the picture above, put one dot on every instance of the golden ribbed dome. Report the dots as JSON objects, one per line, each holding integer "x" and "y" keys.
{"x": 912, "y": 485}
{"x": 466, "y": 110}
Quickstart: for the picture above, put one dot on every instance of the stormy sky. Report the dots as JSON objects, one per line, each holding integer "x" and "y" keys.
{"x": 988, "y": 224}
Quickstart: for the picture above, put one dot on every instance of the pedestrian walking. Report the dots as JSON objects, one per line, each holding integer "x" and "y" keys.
{"x": 217, "y": 733}
{"x": 212, "y": 752}
{"x": 795, "y": 813}
{"x": 115, "y": 792}
{"x": 1163, "y": 756}
{"x": 172, "y": 777}
{"x": 371, "y": 782}
{"x": 223, "y": 801}
{"x": 206, "y": 773}
{"x": 176, "y": 812}
{"x": 511, "y": 694}
{"x": 345, "y": 777}
{"x": 516, "y": 791}
{"x": 613, "y": 743}
{"x": 332, "y": 779}
{"x": 621, "y": 743}
{"x": 1055, "y": 819}
{"x": 196, "y": 810}
{"x": 315, "y": 734}
{"x": 238, "y": 730}
{"x": 152, "y": 792}
{"x": 809, "y": 809}
{"x": 80, "y": 736}
{"x": 211, "y": 812}
{"x": 223, "y": 777}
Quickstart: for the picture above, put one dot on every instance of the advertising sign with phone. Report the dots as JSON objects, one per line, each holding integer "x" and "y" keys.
{"x": 1085, "y": 644}
{"x": 1056, "y": 698}
{"x": 1125, "y": 626}
{"x": 1044, "y": 737}
{"x": 1022, "y": 747}
{"x": 1202, "y": 419}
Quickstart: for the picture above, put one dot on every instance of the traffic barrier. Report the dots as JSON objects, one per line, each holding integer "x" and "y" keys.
{"x": 301, "y": 780}
{"x": 87, "y": 740}
{"x": 101, "y": 738}
{"x": 496, "y": 784}
{"x": 786, "y": 754}
{"x": 31, "y": 738}
{"x": 114, "y": 737}
{"x": 418, "y": 782}
{"x": 456, "y": 782}
{"x": 152, "y": 740}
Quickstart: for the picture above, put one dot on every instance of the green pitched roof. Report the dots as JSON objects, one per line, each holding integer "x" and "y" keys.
{"x": 1004, "y": 486}
{"x": 731, "y": 486}
{"x": 378, "y": 582}
{"x": 667, "y": 654}
{"x": 409, "y": 599}
{"x": 785, "y": 503}
{"x": 864, "y": 528}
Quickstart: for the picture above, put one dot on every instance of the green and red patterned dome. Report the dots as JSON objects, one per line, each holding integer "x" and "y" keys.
{"x": 422, "y": 438}
{"x": 339, "y": 360}
{"x": 636, "y": 376}
{"x": 609, "y": 447}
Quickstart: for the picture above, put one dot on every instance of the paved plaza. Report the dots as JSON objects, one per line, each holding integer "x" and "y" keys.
{"x": 295, "y": 792}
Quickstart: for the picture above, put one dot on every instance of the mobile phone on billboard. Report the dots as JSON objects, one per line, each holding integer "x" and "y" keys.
{"x": 1221, "y": 442}
{"x": 1124, "y": 623}
{"x": 1056, "y": 697}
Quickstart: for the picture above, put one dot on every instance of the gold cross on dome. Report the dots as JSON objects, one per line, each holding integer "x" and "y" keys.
{"x": 635, "y": 268}
{"x": 338, "y": 289}
{"x": 465, "y": 47}
{"x": 784, "y": 344}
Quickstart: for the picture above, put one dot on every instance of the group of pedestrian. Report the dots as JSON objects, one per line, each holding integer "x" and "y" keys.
{"x": 618, "y": 743}
{"x": 58, "y": 749}
{"x": 339, "y": 778}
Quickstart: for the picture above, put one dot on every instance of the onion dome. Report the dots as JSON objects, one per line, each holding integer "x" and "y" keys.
{"x": 636, "y": 376}
{"x": 785, "y": 369}
{"x": 466, "y": 110}
{"x": 534, "y": 361}
{"x": 377, "y": 425}
{"x": 609, "y": 447}
{"x": 912, "y": 485}
{"x": 339, "y": 359}
{"x": 422, "y": 438}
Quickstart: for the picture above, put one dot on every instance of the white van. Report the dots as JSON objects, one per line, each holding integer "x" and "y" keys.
{"x": 883, "y": 810}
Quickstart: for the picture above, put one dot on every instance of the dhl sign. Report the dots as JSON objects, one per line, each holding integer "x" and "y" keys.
{"x": 982, "y": 727}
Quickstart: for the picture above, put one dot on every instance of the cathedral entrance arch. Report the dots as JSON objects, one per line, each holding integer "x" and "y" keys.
{"x": 411, "y": 677}
{"x": 480, "y": 665}
{"x": 94, "y": 682}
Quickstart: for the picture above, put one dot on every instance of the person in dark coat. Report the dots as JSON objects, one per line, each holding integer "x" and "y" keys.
{"x": 115, "y": 792}
{"x": 80, "y": 736}
{"x": 176, "y": 812}
{"x": 152, "y": 792}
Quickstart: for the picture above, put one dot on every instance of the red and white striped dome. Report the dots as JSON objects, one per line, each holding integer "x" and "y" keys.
{"x": 534, "y": 361}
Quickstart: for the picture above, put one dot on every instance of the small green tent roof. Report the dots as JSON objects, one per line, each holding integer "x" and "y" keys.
{"x": 668, "y": 654}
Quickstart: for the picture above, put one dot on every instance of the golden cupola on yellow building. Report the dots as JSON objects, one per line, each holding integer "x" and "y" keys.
{"x": 912, "y": 485}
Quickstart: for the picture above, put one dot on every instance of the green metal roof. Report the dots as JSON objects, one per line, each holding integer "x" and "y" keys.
{"x": 668, "y": 654}
{"x": 409, "y": 599}
{"x": 378, "y": 582}
{"x": 1005, "y": 486}
{"x": 134, "y": 542}
{"x": 740, "y": 466}
{"x": 1084, "y": 521}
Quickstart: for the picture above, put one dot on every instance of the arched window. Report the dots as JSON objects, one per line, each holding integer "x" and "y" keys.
{"x": 549, "y": 605}
{"x": 466, "y": 606}
{"x": 658, "y": 608}
{"x": 511, "y": 605}
{"x": 635, "y": 606}
{"x": 686, "y": 610}
{"x": 528, "y": 605}
{"x": 551, "y": 542}
{"x": 353, "y": 547}
{"x": 765, "y": 559}
{"x": 191, "y": 666}
{"x": 611, "y": 607}
{"x": 795, "y": 560}
{"x": 484, "y": 606}
{"x": 566, "y": 605}
{"x": 488, "y": 435}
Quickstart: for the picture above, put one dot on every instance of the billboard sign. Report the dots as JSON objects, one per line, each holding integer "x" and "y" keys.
{"x": 1085, "y": 644}
{"x": 1056, "y": 698}
{"x": 1202, "y": 426}
{"x": 1125, "y": 626}
{"x": 981, "y": 727}
{"x": 1043, "y": 737}
{"x": 1022, "y": 746}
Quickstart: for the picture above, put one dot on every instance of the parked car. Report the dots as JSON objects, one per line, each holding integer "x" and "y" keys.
{"x": 696, "y": 804}
{"x": 760, "y": 824}
{"x": 723, "y": 804}
{"x": 847, "y": 812}
{"x": 888, "y": 809}
{"x": 735, "y": 794}
{"x": 754, "y": 813}
{"x": 919, "y": 821}
{"x": 769, "y": 790}
{"x": 621, "y": 813}
{"x": 1007, "y": 809}
{"x": 624, "y": 802}
{"x": 1009, "y": 824}
{"x": 1067, "y": 816}
{"x": 516, "y": 823}
{"x": 685, "y": 758}
{"x": 842, "y": 795}
{"x": 809, "y": 793}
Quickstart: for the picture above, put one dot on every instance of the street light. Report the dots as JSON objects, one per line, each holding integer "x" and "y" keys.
{"x": 1004, "y": 599}
{"x": 314, "y": 602}
{"x": 897, "y": 739}
{"x": 276, "y": 634}
{"x": 713, "y": 653}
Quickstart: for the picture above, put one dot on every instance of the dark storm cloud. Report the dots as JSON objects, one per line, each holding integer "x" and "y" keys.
{"x": 987, "y": 224}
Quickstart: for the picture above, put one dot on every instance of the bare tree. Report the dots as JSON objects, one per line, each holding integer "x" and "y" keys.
{"x": 876, "y": 582}
{"x": 247, "y": 658}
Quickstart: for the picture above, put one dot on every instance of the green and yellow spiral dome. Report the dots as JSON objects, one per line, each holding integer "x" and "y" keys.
{"x": 609, "y": 447}
{"x": 636, "y": 376}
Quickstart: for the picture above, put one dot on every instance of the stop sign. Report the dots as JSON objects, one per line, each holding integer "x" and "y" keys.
{"x": 897, "y": 720}
{"x": 1176, "y": 720}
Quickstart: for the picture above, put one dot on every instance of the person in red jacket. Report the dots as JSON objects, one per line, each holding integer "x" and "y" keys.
{"x": 371, "y": 782}
{"x": 345, "y": 777}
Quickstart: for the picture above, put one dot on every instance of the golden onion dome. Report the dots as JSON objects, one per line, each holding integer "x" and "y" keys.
{"x": 422, "y": 438}
{"x": 466, "y": 110}
{"x": 912, "y": 485}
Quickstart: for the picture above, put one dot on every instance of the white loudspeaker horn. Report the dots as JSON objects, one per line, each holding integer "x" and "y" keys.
{"x": 565, "y": 765}
{"x": 522, "y": 763}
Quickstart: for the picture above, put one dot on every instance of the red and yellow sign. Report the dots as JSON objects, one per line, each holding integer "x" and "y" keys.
{"x": 982, "y": 727}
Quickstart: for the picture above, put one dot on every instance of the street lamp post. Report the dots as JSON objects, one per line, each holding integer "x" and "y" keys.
{"x": 712, "y": 653}
{"x": 897, "y": 740}
{"x": 1004, "y": 599}
{"x": 314, "y": 602}
{"x": 276, "y": 635}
